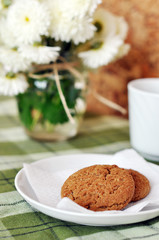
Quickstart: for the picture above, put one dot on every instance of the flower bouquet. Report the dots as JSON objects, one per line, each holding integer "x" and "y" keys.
{"x": 46, "y": 49}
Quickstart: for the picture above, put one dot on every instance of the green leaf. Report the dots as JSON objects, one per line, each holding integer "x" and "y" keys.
{"x": 25, "y": 107}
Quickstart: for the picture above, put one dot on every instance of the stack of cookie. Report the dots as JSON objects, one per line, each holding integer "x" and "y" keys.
{"x": 105, "y": 187}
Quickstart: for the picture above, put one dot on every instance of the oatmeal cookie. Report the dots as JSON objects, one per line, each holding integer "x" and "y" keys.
{"x": 142, "y": 185}
{"x": 100, "y": 187}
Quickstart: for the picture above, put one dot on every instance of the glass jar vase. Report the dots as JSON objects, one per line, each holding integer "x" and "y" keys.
{"x": 42, "y": 112}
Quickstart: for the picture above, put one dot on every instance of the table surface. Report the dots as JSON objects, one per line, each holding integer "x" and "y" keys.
{"x": 18, "y": 220}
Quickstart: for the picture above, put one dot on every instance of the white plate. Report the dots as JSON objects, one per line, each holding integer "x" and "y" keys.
{"x": 80, "y": 161}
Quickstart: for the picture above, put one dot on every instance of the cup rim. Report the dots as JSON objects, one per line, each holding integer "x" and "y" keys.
{"x": 131, "y": 86}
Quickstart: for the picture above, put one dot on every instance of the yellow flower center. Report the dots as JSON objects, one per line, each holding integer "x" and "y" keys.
{"x": 27, "y": 19}
{"x": 99, "y": 26}
{"x": 10, "y": 75}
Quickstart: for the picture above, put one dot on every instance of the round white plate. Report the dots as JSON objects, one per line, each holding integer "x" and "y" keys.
{"x": 80, "y": 161}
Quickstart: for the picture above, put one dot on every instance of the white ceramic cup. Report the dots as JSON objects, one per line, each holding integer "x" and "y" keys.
{"x": 143, "y": 99}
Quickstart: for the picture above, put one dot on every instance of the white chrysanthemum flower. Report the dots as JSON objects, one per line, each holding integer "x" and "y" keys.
{"x": 28, "y": 19}
{"x": 12, "y": 85}
{"x": 108, "y": 44}
{"x": 67, "y": 28}
{"x": 12, "y": 60}
{"x": 6, "y": 35}
{"x": 109, "y": 25}
{"x": 103, "y": 55}
{"x": 39, "y": 54}
{"x": 79, "y": 8}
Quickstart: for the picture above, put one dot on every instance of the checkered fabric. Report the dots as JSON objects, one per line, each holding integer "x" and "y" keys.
{"x": 18, "y": 220}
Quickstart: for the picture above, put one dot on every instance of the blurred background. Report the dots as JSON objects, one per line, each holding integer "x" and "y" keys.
{"x": 141, "y": 61}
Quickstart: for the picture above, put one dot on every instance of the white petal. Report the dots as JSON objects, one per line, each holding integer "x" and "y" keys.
{"x": 12, "y": 60}
{"x": 123, "y": 50}
{"x": 39, "y": 54}
{"x": 28, "y": 20}
{"x": 6, "y": 35}
{"x": 69, "y": 27}
{"x": 83, "y": 30}
{"x": 13, "y": 86}
{"x": 79, "y": 8}
{"x": 104, "y": 55}
{"x": 110, "y": 24}
{"x": 122, "y": 27}
{"x": 107, "y": 22}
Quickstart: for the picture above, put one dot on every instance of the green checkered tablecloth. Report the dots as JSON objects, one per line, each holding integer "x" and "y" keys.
{"x": 18, "y": 220}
